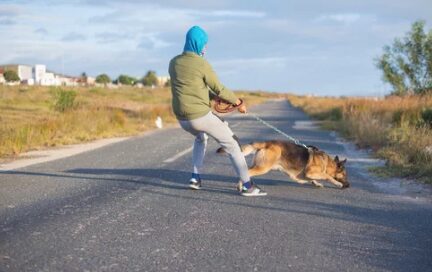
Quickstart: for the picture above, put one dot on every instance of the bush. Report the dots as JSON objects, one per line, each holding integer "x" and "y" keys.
{"x": 410, "y": 117}
{"x": 11, "y": 76}
{"x": 334, "y": 114}
{"x": 427, "y": 116}
{"x": 150, "y": 79}
{"x": 126, "y": 80}
{"x": 103, "y": 79}
{"x": 64, "y": 100}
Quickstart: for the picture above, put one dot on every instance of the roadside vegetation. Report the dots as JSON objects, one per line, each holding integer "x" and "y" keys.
{"x": 36, "y": 117}
{"x": 398, "y": 128}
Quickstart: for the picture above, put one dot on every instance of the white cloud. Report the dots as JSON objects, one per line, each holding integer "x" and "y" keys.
{"x": 152, "y": 41}
{"x": 243, "y": 65}
{"x": 344, "y": 18}
{"x": 73, "y": 36}
{"x": 41, "y": 30}
{"x": 112, "y": 37}
{"x": 238, "y": 13}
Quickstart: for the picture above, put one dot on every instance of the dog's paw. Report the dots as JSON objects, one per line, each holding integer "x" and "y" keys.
{"x": 346, "y": 185}
{"x": 339, "y": 185}
{"x": 317, "y": 184}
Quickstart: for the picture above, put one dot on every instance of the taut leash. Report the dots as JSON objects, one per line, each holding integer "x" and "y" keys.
{"x": 297, "y": 142}
{"x": 223, "y": 106}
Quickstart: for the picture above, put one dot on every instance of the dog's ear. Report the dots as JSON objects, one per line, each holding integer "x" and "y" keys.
{"x": 341, "y": 164}
{"x": 336, "y": 159}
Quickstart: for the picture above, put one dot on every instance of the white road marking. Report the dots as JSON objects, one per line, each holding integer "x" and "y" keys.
{"x": 178, "y": 155}
{"x": 40, "y": 156}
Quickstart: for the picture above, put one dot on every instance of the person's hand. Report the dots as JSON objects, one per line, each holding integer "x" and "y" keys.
{"x": 242, "y": 107}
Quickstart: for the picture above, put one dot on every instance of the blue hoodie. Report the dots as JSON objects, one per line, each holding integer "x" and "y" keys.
{"x": 196, "y": 39}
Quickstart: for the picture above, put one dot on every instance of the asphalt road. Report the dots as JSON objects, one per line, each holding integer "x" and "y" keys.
{"x": 126, "y": 207}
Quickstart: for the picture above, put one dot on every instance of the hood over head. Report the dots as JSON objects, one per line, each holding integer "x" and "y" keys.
{"x": 196, "y": 39}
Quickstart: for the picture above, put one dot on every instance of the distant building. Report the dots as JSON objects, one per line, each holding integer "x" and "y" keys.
{"x": 24, "y": 72}
{"x": 39, "y": 71}
{"x": 68, "y": 80}
{"x": 39, "y": 75}
{"x": 90, "y": 80}
{"x": 162, "y": 80}
{"x": 45, "y": 78}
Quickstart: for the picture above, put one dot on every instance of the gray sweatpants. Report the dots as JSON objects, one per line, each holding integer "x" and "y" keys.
{"x": 211, "y": 125}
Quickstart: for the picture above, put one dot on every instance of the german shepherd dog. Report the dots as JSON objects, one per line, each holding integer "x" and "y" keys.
{"x": 301, "y": 164}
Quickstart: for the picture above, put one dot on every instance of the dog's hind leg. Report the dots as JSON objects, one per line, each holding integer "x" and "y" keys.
{"x": 258, "y": 170}
{"x": 263, "y": 162}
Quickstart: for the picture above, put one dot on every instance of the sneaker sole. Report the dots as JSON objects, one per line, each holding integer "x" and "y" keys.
{"x": 251, "y": 194}
{"x": 195, "y": 187}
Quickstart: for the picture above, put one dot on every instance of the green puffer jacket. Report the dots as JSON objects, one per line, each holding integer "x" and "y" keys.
{"x": 192, "y": 81}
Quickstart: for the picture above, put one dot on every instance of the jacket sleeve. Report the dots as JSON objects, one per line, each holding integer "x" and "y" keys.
{"x": 213, "y": 83}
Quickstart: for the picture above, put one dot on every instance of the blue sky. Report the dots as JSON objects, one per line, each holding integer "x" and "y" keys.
{"x": 324, "y": 47}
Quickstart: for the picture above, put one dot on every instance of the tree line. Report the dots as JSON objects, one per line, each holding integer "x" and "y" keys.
{"x": 149, "y": 79}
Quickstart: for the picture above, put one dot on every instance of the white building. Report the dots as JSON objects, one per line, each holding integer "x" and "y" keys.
{"x": 44, "y": 78}
{"x": 24, "y": 72}
{"x": 162, "y": 80}
{"x": 38, "y": 75}
{"x": 39, "y": 72}
{"x": 67, "y": 80}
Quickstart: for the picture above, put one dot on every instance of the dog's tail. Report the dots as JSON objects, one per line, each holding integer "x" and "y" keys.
{"x": 246, "y": 149}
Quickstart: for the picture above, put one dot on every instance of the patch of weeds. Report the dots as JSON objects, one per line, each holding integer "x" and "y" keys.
{"x": 334, "y": 114}
{"x": 64, "y": 99}
{"x": 427, "y": 116}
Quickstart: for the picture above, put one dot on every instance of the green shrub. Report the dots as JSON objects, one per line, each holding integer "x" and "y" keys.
{"x": 411, "y": 117}
{"x": 334, "y": 114}
{"x": 426, "y": 115}
{"x": 11, "y": 76}
{"x": 64, "y": 99}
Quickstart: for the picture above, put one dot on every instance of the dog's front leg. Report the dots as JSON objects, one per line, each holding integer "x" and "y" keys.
{"x": 303, "y": 181}
{"x": 332, "y": 180}
{"x": 314, "y": 177}
{"x": 317, "y": 184}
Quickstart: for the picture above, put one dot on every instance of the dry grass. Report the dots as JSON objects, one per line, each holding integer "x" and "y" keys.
{"x": 396, "y": 128}
{"x": 30, "y": 117}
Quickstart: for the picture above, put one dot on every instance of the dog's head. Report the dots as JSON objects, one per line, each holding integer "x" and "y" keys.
{"x": 340, "y": 174}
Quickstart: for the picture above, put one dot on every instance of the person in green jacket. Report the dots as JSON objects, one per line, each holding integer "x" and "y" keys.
{"x": 193, "y": 81}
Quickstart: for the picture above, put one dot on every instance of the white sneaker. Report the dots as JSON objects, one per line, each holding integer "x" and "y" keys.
{"x": 254, "y": 190}
{"x": 195, "y": 184}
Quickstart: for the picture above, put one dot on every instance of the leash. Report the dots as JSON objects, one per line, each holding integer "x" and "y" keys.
{"x": 222, "y": 106}
{"x": 297, "y": 142}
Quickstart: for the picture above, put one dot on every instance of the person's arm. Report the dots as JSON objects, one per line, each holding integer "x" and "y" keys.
{"x": 212, "y": 95}
{"x": 216, "y": 87}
